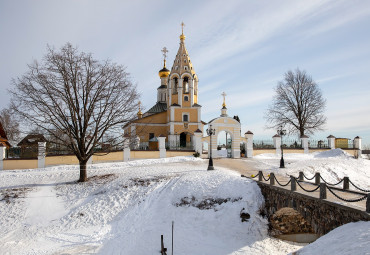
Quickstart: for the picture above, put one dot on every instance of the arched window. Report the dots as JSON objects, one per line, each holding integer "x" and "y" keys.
{"x": 186, "y": 85}
{"x": 175, "y": 85}
{"x": 186, "y": 98}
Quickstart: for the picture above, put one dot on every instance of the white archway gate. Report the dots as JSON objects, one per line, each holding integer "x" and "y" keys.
{"x": 232, "y": 127}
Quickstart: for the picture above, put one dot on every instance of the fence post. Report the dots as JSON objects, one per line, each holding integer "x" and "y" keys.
{"x": 260, "y": 176}
{"x": 357, "y": 146}
{"x": 345, "y": 183}
{"x": 331, "y": 142}
{"x": 163, "y": 250}
{"x": 2, "y": 156}
{"x": 300, "y": 178}
{"x": 293, "y": 185}
{"x": 277, "y": 143}
{"x": 249, "y": 150}
{"x": 126, "y": 148}
{"x": 368, "y": 203}
{"x": 317, "y": 178}
{"x": 322, "y": 190}
{"x": 304, "y": 140}
{"x": 198, "y": 141}
{"x": 162, "y": 146}
{"x": 41, "y": 154}
{"x": 272, "y": 179}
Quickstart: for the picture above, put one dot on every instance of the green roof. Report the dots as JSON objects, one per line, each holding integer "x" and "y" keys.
{"x": 158, "y": 107}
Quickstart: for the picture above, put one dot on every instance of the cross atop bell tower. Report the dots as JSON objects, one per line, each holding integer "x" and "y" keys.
{"x": 182, "y": 36}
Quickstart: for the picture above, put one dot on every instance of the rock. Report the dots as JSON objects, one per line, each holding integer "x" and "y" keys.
{"x": 244, "y": 215}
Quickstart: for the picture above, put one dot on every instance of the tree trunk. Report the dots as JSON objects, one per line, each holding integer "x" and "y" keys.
{"x": 83, "y": 171}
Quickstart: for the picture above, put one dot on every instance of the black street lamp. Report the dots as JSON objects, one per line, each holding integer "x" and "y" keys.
{"x": 281, "y": 132}
{"x": 210, "y": 131}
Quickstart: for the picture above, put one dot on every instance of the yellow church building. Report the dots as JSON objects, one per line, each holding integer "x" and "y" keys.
{"x": 176, "y": 115}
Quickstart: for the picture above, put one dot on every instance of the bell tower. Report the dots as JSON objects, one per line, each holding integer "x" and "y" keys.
{"x": 184, "y": 112}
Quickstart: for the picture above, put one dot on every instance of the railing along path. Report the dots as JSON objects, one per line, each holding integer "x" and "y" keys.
{"x": 320, "y": 185}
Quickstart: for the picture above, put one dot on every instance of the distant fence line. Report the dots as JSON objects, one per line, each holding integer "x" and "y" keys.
{"x": 297, "y": 144}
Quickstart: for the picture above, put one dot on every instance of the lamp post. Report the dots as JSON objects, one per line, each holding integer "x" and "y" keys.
{"x": 281, "y": 132}
{"x": 210, "y": 131}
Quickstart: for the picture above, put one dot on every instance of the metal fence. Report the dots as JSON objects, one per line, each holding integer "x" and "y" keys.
{"x": 318, "y": 144}
{"x": 291, "y": 143}
{"x": 143, "y": 146}
{"x": 263, "y": 144}
{"x": 22, "y": 152}
{"x": 178, "y": 146}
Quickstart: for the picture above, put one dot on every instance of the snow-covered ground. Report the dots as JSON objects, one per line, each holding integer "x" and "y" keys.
{"x": 333, "y": 165}
{"x": 352, "y": 238}
{"x": 125, "y": 207}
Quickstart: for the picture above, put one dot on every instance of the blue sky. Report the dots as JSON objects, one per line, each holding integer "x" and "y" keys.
{"x": 240, "y": 47}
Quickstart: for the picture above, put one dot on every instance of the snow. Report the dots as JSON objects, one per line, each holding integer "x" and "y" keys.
{"x": 352, "y": 238}
{"x": 125, "y": 207}
{"x": 332, "y": 165}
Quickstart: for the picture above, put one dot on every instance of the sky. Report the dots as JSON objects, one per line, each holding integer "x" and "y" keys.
{"x": 242, "y": 48}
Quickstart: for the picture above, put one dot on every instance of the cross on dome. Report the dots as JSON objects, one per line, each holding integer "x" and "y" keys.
{"x": 224, "y": 95}
{"x": 182, "y": 27}
{"x": 164, "y": 50}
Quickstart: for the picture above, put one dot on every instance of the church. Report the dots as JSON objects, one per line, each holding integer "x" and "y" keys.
{"x": 176, "y": 115}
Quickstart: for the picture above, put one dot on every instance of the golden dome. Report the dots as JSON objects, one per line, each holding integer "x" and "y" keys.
{"x": 182, "y": 37}
{"x": 164, "y": 72}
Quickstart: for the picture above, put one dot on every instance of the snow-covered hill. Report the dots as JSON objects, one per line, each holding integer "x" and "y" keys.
{"x": 125, "y": 207}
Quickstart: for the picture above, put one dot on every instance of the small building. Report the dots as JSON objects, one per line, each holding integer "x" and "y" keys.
{"x": 342, "y": 143}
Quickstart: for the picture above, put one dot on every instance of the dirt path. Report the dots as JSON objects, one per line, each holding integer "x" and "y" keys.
{"x": 246, "y": 167}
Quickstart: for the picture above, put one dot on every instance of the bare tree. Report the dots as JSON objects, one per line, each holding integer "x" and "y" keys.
{"x": 76, "y": 99}
{"x": 10, "y": 125}
{"x": 297, "y": 104}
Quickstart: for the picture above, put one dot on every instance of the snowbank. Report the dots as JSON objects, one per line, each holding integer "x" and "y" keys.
{"x": 352, "y": 238}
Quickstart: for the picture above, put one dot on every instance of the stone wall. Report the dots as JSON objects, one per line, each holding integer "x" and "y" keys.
{"x": 322, "y": 215}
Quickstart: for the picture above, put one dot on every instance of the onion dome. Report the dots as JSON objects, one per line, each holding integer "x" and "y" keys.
{"x": 164, "y": 72}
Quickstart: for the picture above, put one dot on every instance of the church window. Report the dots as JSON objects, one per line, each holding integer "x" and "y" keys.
{"x": 185, "y": 68}
{"x": 175, "y": 85}
{"x": 186, "y": 85}
{"x": 184, "y": 60}
{"x": 185, "y": 118}
{"x": 186, "y": 98}
{"x": 176, "y": 68}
